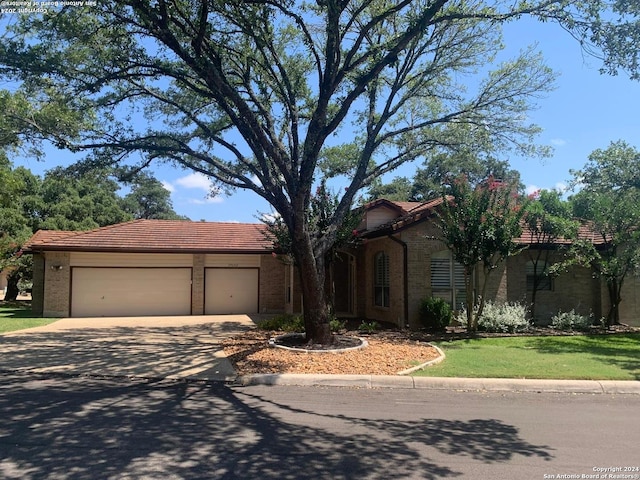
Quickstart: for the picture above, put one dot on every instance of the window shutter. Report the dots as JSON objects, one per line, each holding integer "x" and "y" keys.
{"x": 440, "y": 274}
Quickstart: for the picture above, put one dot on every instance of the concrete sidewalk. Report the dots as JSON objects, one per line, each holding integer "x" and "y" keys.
{"x": 190, "y": 348}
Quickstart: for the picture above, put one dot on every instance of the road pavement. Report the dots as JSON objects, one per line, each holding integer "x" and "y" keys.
{"x": 58, "y": 428}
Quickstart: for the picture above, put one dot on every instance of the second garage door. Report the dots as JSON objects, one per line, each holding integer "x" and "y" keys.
{"x": 231, "y": 290}
{"x": 118, "y": 292}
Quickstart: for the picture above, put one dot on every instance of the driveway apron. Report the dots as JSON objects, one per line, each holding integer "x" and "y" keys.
{"x": 145, "y": 347}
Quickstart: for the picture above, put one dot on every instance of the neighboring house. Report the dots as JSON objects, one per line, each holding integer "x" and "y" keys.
{"x": 164, "y": 267}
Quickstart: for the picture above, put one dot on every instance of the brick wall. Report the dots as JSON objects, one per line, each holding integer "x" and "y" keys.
{"x": 575, "y": 289}
{"x": 197, "y": 285}
{"x": 57, "y": 276}
{"x": 37, "y": 294}
{"x": 272, "y": 284}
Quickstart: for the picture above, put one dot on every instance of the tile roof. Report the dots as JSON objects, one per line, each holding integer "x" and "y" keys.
{"x": 585, "y": 232}
{"x": 408, "y": 213}
{"x": 45, "y": 236}
{"x": 161, "y": 236}
{"x": 411, "y": 212}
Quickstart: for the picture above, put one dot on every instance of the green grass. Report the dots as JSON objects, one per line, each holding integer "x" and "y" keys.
{"x": 588, "y": 357}
{"x": 17, "y": 316}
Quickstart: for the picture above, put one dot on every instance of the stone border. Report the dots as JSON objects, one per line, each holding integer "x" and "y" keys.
{"x": 273, "y": 344}
{"x": 422, "y": 366}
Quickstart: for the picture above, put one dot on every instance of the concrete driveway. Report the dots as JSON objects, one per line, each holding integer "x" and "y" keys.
{"x": 146, "y": 347}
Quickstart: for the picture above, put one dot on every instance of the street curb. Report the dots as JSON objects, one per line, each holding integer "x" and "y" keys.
{"x": 444, "y": 383}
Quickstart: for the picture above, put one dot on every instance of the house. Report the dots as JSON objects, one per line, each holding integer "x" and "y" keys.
{"x": 157, "y": 267}
{"x": 164, "y": 267}
{"x": 401, "y": 262}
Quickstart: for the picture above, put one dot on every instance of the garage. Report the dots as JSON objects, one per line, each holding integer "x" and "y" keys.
{"x": 231, "y": 291}
{"x": 119, "y": 292}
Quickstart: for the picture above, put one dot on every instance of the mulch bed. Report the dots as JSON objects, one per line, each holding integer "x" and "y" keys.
{"x": 389, "y": 351}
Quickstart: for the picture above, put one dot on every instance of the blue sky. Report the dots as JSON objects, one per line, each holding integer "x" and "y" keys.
{"x": 585, "y": 112}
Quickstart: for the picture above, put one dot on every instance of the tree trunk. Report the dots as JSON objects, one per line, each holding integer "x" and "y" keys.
{"x": 472, "y": 324}
{"x": 314, "y": 299}
{"x": 614, "y": 287}
{"x": 12, "y": 287}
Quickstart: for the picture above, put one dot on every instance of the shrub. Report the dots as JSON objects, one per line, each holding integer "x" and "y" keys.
{"x": 509, "y": 317}
{"x": 337, "y": 325}
{"x": 283, "y": 323}
{"x": 294, "y": 323}
{"x": 571, "y": 321}
{"x": 435, "y": 314}
{"x": 368, "y": 327}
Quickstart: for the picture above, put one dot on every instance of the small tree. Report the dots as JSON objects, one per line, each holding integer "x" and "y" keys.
{"x": 547, "y": 220}
{"x": 480, "y": 225}
{"x": 610, "y": 201}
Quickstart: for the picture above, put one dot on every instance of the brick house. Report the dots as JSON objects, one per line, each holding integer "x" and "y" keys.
{"x": 157, "y": 267}
{"x": 400, "y": 262}
{"x": 163, "y": 267}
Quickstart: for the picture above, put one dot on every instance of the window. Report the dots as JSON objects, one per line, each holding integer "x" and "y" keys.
{"x": 545, "y": 282}
{"x": 447, "y": 279}
{"x": 381, "y": 280}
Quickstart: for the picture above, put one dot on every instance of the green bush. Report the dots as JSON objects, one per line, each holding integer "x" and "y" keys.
{"x": 571, "y": 321}
{"x": 283, "y": 323}
{"x": 294, "y": 323}
{"x": 368, "y": 327}
{"x": 435, "y": 314}
{"x": 336, "y": 325}
{"x": 508, "y": 317}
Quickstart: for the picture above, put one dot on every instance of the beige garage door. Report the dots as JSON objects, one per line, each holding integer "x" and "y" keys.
{"x": 231, "y": 290}
{"x": 122, "y": 292}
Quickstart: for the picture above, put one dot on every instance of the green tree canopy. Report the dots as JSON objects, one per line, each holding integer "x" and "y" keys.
{"x": 609, "y": 199}
{"x": 479, "y": 224}
{"x": 430, "y": 180}
{"x": 256, "y": 94}
{"x": 547, "y": 219}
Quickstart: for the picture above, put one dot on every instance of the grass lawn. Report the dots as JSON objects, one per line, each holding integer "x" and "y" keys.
{"x": 588, "y": 357}
{"x": 17, "y": 316}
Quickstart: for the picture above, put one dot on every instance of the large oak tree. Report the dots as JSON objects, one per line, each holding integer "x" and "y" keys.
{"x": 255, "y": 94}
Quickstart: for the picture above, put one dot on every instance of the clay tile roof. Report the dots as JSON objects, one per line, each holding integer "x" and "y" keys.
{"x": 166, "y": 236}
{"x": 45, "y": 236}
{"x": 585, "y": 232}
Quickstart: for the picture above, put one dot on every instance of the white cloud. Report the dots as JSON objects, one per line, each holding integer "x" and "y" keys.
{"x": 270, "y": 217}
{"x": 205, "y": 200}
{"x": 558, "y": 142}
{"x": 532, "y": 189}
{"x": 195, "y": 180}
{"x": 167, "y": 186}
{"x": 561, "y": 187}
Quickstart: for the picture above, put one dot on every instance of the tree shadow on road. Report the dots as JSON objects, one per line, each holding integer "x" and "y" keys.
{"x": 57, "y": 428}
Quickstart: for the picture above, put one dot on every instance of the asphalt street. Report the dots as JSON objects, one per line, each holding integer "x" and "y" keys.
{"x": 55, "y": 427}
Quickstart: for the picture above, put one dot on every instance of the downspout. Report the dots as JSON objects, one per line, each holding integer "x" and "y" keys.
{"x": 405, "y": 277}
